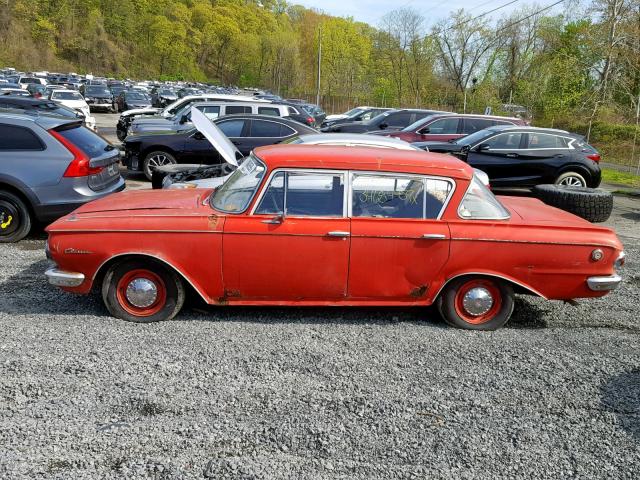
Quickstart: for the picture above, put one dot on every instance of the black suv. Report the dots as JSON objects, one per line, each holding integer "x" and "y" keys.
{"x": 526, "y": 156}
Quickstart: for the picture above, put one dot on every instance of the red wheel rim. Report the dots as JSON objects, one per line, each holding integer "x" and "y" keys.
{"x": 143, "y": 276}
{"x": 486, "y": 316}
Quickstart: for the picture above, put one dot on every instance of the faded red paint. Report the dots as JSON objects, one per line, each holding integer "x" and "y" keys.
{"x": 238, "y": 260}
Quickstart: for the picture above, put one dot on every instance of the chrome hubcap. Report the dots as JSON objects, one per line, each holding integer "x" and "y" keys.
{"x": 571, "y": 182}
{"x": 142, "y": 292}
{"x": 477, "y": 301}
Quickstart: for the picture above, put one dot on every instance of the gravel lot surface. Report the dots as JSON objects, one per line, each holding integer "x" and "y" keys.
{"x": 249, "y": 393}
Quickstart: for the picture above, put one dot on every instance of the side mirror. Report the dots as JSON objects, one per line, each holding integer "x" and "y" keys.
{"x": 483, "y": 147}
{"x": 383, "y": 126}
{"x": 184, "y": 118}
{"x": 465, "y": 149}
{"x": 198, "y": 136}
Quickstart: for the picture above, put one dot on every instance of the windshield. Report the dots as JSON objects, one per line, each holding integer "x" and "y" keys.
{"x": 354, "y": 112}
{"x": 480, "y": 204}
{"x": 474, "y": 137}
{"x": 165, "y": 91}
{"x": 416, "y": 124}
{"x": 236, "y": 193}
{"x": 98, "y": 91}
{"x": 136, "y": 96}
{"x": 377, "y": 120}
{"x": 66, "y": 96}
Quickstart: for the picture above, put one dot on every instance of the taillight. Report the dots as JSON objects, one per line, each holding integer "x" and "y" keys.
{"x": 594, "y": 156}
{"x": 79, "y": 166}
{"x": 310, "y": 120}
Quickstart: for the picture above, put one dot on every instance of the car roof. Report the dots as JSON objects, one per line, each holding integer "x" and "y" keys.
{"x": 335, "y": 138}
{"x": 45, "y": 121}
{"x": 250, "y": 116}
{"x": 501, "y": 128}
{"x": 474, "y": 115}
{"x": 363, "y": 158}
{"x": 23, "y": 101}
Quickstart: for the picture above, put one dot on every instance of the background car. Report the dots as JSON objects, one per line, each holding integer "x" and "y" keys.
{"x": 147, "y": 151}
{"x": 445, "y": 127}
{"x": 358, "y": 114}
{"x": 46, "y": 107}
{"x": 526, "y": 156}
{"x": 390, "y": 120}
{"x": 37, "y": 90}
{"x": 131, "y": 99}
{"x": 49, "y": 166}
{"x": 162, "y": 96}
{"x": 71, "y": 99}
{"x": 98, "y": 97}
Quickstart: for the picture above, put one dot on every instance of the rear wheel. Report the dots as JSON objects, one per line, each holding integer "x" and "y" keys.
{"x": 154, "y": 160}
{"x": 476, "y": 303}
{"x": 15, "y": 220}
{"x": 571, "y": 179}
{"x": 142, "y": 291}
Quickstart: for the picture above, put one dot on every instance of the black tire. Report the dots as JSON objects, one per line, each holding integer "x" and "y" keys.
{"x": 449, "y": 303}
{"x": 169, "y": 287}
{"x": 121, "y": 134}
{"x": 15, "y": 219}
{"x": 592, "y": 204}
{"x": 156, "y": 158}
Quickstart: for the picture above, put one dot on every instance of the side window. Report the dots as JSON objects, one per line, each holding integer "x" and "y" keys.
{"x": 211, "y": 112}
{"x": 293, "y": 111}
{"x": 401, "y": 119}
{"x": 269, "y": 111}
{"x": 443, "y": 126}
{"x": 304, "y": 194}
{"x": 398, "y": 197}
{"x": 18, "y": 138}
{"x": 504, "y": 141}
{"x": 543, "y": 140}
{"x": 261, "y": 128}
{"x": 231, "y": 109}
{"x": 470, "y": 125}
{"x": 232, "y": 128}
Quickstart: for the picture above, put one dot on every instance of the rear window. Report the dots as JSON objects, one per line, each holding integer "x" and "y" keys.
{"x": 66, "y": 96}
{"x": 18, "y": 138}
{"x": 87, "y": 141}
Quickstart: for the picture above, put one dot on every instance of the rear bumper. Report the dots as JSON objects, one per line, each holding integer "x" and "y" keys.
{"x": 604, "y": 284}
{"x": 60, "y": 278}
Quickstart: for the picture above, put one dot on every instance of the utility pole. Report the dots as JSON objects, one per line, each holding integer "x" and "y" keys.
{"x": 319, "y": 64}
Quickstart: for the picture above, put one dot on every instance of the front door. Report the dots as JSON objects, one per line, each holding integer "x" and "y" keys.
{"x": 294, "y": 246}
{"x": 500, "y": 157}
{"x": 398, "y": 243}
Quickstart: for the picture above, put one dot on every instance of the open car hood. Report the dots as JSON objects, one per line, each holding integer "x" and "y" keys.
{"x": 215, "y": 136}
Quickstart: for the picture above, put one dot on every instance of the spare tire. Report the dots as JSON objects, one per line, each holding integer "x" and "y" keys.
{"x": 592, "y": 204}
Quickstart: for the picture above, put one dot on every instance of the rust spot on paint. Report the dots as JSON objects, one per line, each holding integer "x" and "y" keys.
{"x": 419, "y": 291}
{"x": 222, "y": 301}
{"x": 213, "y": 222}
{"x": 232, "y": 293}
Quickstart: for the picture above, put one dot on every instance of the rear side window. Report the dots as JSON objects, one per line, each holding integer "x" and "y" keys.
{"x": 470, "y": 125}
{"x": 542, "y": 140}
{"x": 231, "y": 109}
{"x": 18, "y": 138}
{"x": 87, "y": 141}
{"x": 269, "y": 111}
{"x": 260, "y": 128}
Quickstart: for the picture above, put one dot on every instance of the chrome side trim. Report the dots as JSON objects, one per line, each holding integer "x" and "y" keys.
{"x": 604, "y": 284}
{"x": 60, "y": 278}
{"x": 121, "y": 230}
{"x": 494, "y": 275}
{"x": 533, "y": 242}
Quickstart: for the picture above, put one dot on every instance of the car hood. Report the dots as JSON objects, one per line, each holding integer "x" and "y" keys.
{"x": 98, "y": 95}
{"x": 140, "y": 111}
{"x": 218, "y": 140}
{"x": 144, "y": 200}
{"x": 152, "y": 121}
{"x": 439, "y": 146}
{"x": 331, "y": 118}
{"x": 73, "y": 103}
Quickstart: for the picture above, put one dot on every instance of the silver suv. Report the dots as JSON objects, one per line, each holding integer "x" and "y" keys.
{"x": 49, "y": 166}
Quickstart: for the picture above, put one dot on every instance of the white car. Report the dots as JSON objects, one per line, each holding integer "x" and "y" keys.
{"x": 73, "y": 99}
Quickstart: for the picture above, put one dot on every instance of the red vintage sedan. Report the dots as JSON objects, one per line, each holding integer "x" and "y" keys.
{"x": 321, "y": 225}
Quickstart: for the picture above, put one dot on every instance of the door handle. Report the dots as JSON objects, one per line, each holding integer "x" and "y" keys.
{"x": 512, "y": 155}
{"x": 338, "y": 233}
{"x": 235, "y": 142}
{"x": 434, "y": 236}
{"x": 277, "y": 220}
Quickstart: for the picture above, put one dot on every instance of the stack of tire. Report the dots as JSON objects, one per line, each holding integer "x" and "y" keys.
{"x": 592, "y": 204}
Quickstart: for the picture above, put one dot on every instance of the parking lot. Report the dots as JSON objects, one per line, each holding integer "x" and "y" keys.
{"x": 316, "y": 392}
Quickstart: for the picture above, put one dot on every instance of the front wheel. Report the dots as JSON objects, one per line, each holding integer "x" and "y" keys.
{"x": 142, "y": 291}
{"x": 476, "y": 303}
{"x": 154, "y": 160}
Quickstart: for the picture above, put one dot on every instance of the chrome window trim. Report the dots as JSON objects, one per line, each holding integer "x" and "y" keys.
{"x": 480, "y": 218}
{"x": 568, "y": 147}
{"x": 424, "y": 178}
{"x": 259, "y": 161}
{"x": 315, "y": 171}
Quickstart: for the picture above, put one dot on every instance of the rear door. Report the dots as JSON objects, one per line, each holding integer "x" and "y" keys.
{"x": 398, "y": 242}
{"x": 237, "y": 130}
{"x": 542, "y": 158}
{"x": 267, "y": 132}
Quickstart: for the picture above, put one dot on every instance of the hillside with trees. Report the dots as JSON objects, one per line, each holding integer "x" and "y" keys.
{"x": 577, "y": 69}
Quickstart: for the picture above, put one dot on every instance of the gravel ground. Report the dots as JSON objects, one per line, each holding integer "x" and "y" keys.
{"x": 249, "y": 393}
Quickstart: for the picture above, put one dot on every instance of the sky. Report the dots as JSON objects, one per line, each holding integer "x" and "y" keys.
{"x": 371, "y": 11}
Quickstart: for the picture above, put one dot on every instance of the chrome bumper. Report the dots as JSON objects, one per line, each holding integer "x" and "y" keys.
{"x": 60, "y": 278}
{"x": 600, "y": 284}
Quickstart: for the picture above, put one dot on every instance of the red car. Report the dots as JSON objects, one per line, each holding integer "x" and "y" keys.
{"x": 324, "y": 225}
{"x": 445, "y": 127}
